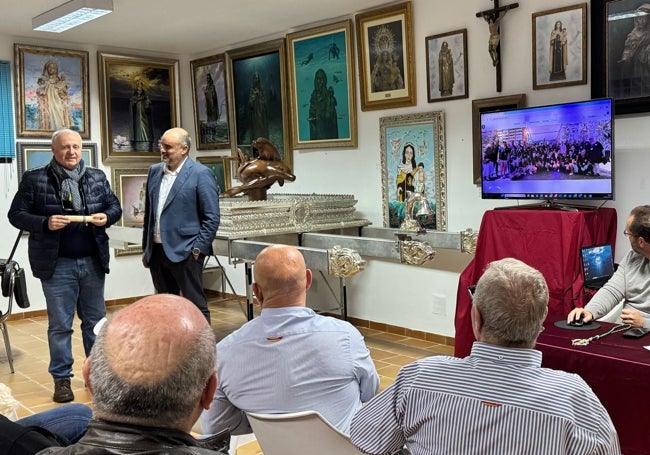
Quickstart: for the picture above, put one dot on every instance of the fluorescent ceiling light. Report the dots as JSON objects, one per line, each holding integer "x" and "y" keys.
{"x": 71, "y": 14}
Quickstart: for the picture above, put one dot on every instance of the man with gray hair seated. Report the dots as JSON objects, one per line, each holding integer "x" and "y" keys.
{"x": 151, "y": 372}
{"x": 499, "y": 399}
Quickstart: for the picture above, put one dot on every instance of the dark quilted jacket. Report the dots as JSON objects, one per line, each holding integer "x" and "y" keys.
{"x": 38, "y": 198}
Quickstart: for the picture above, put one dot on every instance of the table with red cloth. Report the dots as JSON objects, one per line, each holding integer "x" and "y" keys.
{"x": 616, "y": 368}
{"x": 547, "y": 239}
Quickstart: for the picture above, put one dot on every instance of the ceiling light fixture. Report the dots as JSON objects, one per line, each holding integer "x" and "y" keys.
{"x": 71, "y": 14}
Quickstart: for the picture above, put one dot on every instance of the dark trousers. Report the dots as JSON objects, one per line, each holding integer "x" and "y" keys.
{"x": 181, "y": 278}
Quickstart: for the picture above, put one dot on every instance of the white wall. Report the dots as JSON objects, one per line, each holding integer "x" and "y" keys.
{"x": 386, "y": 291}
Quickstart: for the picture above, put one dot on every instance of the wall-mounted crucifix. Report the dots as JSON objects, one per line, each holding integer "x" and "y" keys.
{"x": 493, "y": 17}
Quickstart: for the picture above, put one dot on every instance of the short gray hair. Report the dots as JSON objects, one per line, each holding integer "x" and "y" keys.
{"x": 165, "y": 403}
{"x": 512, "y": 298}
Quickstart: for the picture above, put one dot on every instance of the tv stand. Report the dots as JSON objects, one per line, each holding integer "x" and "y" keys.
{"x": 549, "y": 204}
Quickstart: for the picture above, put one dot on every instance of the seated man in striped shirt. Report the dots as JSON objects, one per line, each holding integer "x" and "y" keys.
{"x": 496, "y": 401}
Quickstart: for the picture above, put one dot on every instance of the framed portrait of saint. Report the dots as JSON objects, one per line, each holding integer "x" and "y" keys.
{"x": 139, "y": 101}
{"x": 211, "y": 116}
{"x": 51, "y": 91}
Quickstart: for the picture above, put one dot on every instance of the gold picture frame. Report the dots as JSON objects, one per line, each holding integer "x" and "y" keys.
{"x": 130, "y": 186}
{"x": 386, "y": 62}
{"x": 323, "y": 115}
{"x": 560, "y": 47}
{"x": 497, "y": 103}
{"x": 51, "y": 91}
{"x": 257, "y": 77}
{"x": 139, "y": 100}
{"x": 210, "y": 94}
{"x": 220, "y": 167}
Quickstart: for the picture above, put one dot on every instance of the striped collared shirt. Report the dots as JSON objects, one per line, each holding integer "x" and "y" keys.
{"x": 496, "y": 401}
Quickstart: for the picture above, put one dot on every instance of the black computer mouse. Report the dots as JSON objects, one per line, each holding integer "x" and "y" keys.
{"x": 578, "y": 321}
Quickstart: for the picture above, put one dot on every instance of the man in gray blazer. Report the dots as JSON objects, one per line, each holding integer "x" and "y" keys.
{"x": 180, "y": 221}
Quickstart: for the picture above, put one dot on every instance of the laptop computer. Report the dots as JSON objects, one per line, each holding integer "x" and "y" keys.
{"x": 597, "y": 265}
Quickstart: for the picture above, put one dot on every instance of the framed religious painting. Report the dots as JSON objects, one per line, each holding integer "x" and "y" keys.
{"x": 386, "y": 62}
{"x": 51, "y": 91}
{"x": 322, "y": 87}
{"x": 220, "y": 167}
{"x": 139, "y": 100}
{"x": 210, "y": 102}
{"x": 35, "y": 154}
{"x": 560, "y": 47}
{"x": 497, "y": 103}
{"x": 258, "y": 98}
{"x": 414, "y": 171}
{"x": 130, "y": 187}
{"x": 447, "y": 66}
{"x": 620, "y": 52}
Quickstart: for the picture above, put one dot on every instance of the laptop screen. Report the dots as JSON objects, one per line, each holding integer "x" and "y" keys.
{"x": 597, "y": 264}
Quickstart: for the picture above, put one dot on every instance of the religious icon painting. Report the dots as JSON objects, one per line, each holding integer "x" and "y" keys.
{"x": 322, "y": 86}
{"x": 620, "y": 52}
{"x": 560, "y": 47}
{"x": 386, "y": 62}
{"x": 210, "y": 102}
{"x": 258, "y": 98}
{"x": 51, "y": 91}
{"x": 447, "y": 66}
{"x": 139, "y": 99}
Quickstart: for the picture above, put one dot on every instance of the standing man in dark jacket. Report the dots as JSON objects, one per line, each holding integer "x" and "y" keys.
{"x": 181, "y": 218}
{"x": 66, "y": 207}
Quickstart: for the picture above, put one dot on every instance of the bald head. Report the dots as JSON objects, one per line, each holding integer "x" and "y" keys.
{"x": 153, "y": 364}
{"x": 149, "y": 339}
{"x": 281, "y": 277}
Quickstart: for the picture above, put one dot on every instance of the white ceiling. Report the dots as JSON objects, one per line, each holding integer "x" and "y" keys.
{"x": 180, "y": 27}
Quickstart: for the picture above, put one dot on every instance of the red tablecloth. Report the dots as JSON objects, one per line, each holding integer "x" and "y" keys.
{"x": 616, "y": 368}
{"x": 549, "y": 240}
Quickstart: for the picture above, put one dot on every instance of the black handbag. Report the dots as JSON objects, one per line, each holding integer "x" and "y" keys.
{"x": 9, "y": 268}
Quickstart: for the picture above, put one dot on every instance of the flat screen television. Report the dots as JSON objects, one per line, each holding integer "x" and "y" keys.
{"x": 556, "y": 152}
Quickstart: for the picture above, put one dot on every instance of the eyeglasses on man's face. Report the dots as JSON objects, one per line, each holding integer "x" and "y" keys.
{"x": 629, "y": 234}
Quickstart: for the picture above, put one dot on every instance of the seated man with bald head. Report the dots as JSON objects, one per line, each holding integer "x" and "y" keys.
{"x": 289, "y": 359}
{"x": 151, "y": 373}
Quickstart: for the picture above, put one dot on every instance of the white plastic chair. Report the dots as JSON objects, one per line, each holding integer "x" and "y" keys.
{"x": 299, "y": 433}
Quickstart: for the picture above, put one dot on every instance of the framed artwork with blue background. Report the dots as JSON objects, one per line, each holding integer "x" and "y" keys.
{"x": 35, "y": 154}
{"x": 413, "y": 161}
{"x": 322, "y": 87}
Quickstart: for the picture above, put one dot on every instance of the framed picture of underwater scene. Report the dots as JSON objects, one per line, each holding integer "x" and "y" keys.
{"x": 139, "y": 101}
{"x": 210, "y": 102}
{"x": 322, "y": 87}
{"x": 51, "y": 91}
{"x": 413, "y": 162}
{"x": 258, "y": 97}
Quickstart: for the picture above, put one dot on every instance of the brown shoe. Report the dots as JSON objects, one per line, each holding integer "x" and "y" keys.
{"x": 62, "y": 391}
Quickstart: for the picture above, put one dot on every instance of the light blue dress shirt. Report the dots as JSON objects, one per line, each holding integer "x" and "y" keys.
{"x": 290, "y": 360}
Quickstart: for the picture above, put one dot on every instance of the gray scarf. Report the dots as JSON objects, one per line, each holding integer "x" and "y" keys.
{"x": 70, "y": 182}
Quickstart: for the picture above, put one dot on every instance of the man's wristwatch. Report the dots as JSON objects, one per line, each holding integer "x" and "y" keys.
{"x": 196, "y": 251}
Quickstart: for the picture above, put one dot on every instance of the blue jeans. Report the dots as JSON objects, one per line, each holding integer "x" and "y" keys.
{"x": 77, "y": 284}
{"x": 69, "y": 421}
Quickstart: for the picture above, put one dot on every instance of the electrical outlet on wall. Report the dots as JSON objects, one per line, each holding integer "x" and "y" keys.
{"x": 439, "y": 305}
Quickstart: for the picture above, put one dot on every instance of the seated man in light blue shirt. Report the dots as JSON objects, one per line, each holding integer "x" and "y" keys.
{"x": 289, "y": 359}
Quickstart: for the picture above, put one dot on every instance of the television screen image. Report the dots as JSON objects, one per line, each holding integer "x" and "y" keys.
{"x": 561, "y": 151}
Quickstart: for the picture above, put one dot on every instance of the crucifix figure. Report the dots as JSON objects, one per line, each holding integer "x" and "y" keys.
{"x": 493, "y": 18}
